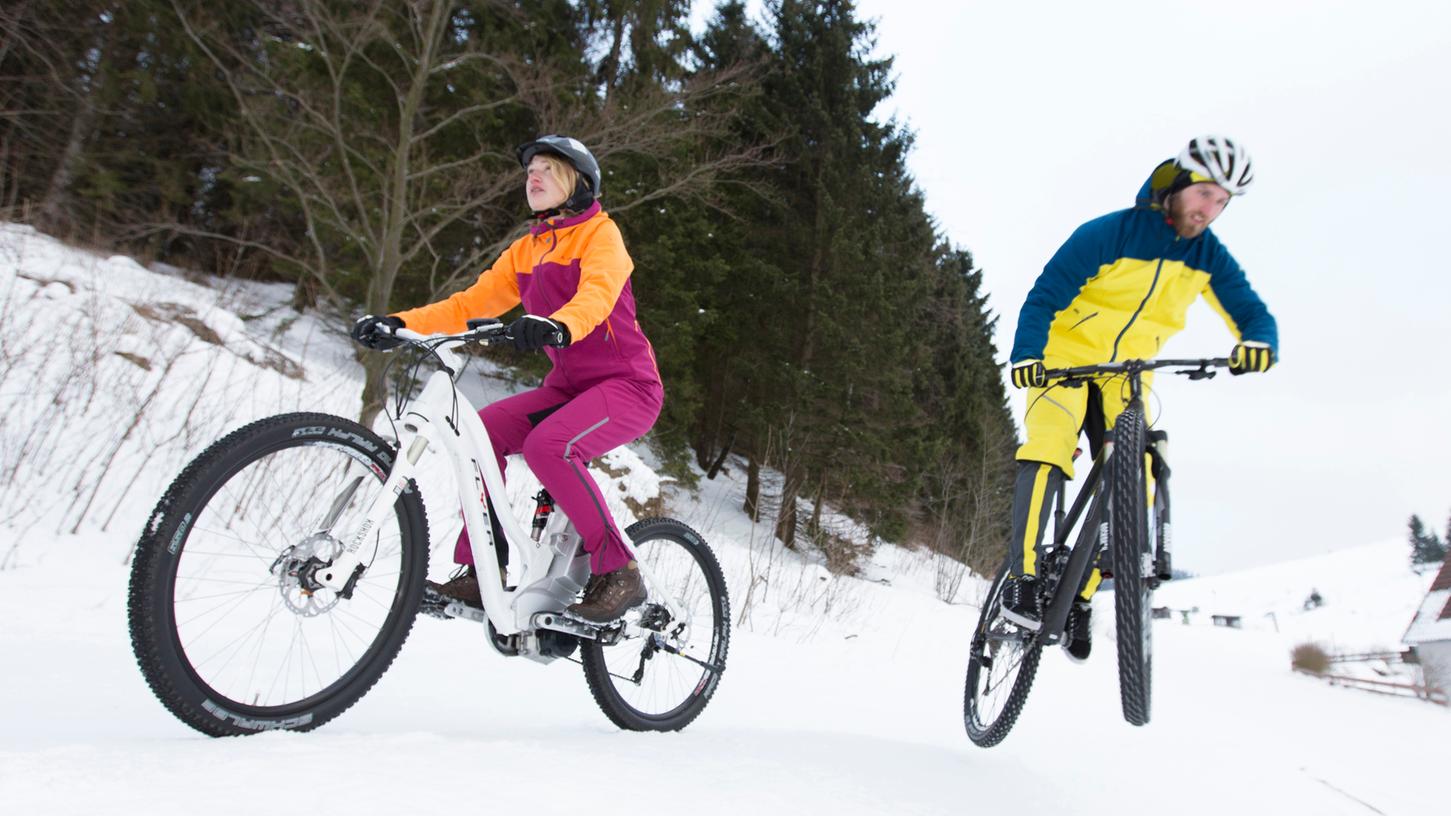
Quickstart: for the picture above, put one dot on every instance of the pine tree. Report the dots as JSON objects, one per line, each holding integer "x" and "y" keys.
{"x": 677, "y": 186}
{"x": 735, "y": 360}
{"x": 849, "y": 343}
{"x": 1426, "y": 547}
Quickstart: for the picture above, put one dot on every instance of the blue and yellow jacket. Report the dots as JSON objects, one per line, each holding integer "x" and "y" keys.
{"x": 1121, "y": 285}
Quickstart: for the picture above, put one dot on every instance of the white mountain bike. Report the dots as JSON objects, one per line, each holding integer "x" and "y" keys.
{"x": 281, "y": 572}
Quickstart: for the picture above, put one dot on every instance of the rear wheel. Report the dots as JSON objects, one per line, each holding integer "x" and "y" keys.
{"x": 1133, "y": 564}
{"x": 230, "y": 628}
{"x": 662, "y": 680}
{"x": 1000, "y": 670}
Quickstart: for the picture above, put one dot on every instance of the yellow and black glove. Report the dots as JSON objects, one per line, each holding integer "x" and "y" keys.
{"x": 1029, "y": 374}
{"x": 1251, "y": 355}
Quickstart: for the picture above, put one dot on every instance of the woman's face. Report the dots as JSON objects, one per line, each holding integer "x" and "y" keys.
{"x": 541, "y": 187}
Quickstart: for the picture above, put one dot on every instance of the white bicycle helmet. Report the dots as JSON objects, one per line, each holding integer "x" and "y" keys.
{"x": 1218, "y": 159}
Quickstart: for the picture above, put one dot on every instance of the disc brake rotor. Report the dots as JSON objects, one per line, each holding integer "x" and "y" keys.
{"x": 300, "y": 593}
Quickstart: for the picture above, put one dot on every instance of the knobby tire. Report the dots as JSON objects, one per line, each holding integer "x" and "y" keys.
{"x": 673, "y": 691}
{"x": 204, "y": 566}
{"x": 994, "y": 664}
{"x": 1132, "y": 563}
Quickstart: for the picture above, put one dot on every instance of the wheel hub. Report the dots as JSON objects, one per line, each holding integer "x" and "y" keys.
{"x": 296, "y": 570}
{"x": 655, "y": 617}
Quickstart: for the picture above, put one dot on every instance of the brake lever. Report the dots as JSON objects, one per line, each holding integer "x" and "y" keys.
{"x": 487, "y": 330}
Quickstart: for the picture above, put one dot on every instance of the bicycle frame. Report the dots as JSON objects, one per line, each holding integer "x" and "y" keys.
{"x": 554, "y": 567}
{"x": 1081, "y": 556}
{"x": 1091, "y": 498}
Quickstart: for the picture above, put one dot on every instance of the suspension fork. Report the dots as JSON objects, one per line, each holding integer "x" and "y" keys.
{"x": 1163, "y": 538}
{"x": 343, "y": 573}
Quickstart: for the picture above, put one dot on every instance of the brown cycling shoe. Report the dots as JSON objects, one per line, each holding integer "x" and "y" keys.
{"x": 592, "y": 588}
{"x": 611, "y": 596}
{"x": 462, "y": 586}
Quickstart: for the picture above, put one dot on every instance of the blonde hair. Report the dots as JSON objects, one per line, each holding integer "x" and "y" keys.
{"x": 562, "y": 171}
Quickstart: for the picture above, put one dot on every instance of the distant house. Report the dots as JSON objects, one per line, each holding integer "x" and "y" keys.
{"x": 1430, "y": 631}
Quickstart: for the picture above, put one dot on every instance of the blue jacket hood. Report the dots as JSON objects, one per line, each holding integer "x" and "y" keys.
{"x": 1145, "y": 198}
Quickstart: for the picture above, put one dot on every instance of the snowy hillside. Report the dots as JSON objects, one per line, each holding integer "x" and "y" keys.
{"x": 842, "y": 695}
{"x": 1368, "y": 595}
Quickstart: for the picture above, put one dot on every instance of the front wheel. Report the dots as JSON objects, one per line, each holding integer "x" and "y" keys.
{"x": 229, "y": 627}
{"x": 662, "y": 680}
{"x": 1000, "y": 670}
{"x": 1132, "y": 560}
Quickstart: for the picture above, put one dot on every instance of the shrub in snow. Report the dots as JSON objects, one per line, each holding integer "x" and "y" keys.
{"x": 1310, "y": 657}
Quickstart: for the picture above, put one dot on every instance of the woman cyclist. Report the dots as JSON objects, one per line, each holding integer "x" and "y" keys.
{"x": 572, "y": 274}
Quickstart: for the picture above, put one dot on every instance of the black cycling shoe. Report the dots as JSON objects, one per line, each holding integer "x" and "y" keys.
{"x": 1079, "y": 631}
{"x": 1020, "y": 602}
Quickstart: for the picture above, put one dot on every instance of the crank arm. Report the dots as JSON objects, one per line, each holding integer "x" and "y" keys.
{"x": 559, "y": 623}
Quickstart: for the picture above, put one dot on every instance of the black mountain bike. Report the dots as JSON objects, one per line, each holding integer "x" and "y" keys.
{"x": 1120, "y": 532}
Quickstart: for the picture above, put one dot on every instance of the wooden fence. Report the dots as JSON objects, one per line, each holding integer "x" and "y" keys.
{"x": 1390, "y": 687}
{"x": 1363, "y": 657}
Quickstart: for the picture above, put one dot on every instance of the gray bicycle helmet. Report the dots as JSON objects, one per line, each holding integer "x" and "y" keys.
{"x": 578, "y": 156}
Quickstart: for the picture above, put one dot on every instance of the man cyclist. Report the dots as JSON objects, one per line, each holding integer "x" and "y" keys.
{"x": 1117, "y": 289}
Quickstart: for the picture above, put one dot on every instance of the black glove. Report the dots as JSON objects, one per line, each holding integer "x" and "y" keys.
{"x": 1251, "y": 356}
{"x": 532, "y": 333}
{"x": 377, "y": 332}
{"x": 1029, "y": 374}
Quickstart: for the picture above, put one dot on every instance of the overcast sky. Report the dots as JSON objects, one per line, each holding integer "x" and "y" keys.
{"x": 1032, "y": 118}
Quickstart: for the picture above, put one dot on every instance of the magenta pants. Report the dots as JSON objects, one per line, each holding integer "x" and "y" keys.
{"x": 559, "y": 432}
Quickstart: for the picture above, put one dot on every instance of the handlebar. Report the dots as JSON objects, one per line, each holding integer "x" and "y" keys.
{"x": 486, "y": 331}
{"x": 479, "y": 331}
{"x": 1195, "y": 369}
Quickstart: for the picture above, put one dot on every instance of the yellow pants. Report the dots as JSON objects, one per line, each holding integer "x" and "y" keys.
{"x": 1054, "y": 418}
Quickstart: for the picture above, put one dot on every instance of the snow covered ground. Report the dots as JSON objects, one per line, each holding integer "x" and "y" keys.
{"x": 841, "y": 696}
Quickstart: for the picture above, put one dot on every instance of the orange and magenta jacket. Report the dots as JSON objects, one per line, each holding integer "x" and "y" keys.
{"x": 575, "y": 271}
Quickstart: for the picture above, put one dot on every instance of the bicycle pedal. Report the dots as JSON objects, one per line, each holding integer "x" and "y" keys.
{"x": 1025, "y": 624}
{"x": 439, "y": 606}
{"x": 458, "y": 609}
{"x": 433, "y": 605}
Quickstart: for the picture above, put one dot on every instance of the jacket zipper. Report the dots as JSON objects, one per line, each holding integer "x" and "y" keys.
{"x": 1142, "y": 303}
{"x": 558, "y": 355}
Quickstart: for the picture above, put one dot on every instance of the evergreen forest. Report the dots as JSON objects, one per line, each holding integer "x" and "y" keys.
{"x": 808, "y": 315}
